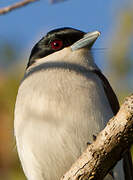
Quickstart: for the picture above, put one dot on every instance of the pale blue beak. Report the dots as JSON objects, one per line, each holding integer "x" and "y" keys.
{"x": 86, "y": 41}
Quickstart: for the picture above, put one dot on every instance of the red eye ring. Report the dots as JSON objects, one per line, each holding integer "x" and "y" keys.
{"x": 56, "y": 44}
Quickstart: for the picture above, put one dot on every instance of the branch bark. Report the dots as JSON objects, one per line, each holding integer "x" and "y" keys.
{"x": 108, "y": 147}
{"x": 15, "y": 6}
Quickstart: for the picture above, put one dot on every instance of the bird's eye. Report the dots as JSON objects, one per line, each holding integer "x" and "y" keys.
{"x": 56, "y": 44}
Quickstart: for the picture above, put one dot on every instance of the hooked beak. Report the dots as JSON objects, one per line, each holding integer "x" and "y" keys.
{"x": 86, "y": 41}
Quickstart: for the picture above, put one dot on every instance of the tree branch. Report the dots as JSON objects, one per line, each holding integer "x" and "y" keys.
{"x": 15, "y": 6}
{"x": 107, "y": 149}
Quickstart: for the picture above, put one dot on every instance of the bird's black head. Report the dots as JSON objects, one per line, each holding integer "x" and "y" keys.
{"x": 54, "y": 40}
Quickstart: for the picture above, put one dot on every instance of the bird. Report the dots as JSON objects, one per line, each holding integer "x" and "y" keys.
{"x": 63, "y": 102}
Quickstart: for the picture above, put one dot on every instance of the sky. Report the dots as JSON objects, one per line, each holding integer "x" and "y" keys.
{"x": 25, "y": 26}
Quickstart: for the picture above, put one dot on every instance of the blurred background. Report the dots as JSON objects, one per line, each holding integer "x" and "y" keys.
{"x": 22, "y": 28}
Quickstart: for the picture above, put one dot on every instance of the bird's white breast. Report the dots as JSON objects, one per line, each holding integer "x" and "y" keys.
{"x": 57, "y": 112}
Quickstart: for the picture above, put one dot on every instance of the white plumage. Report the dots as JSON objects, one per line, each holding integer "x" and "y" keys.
{"x": 58, "y": 110}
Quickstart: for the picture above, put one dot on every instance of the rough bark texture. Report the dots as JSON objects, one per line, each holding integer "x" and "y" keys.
{"x": 107, "y": 149}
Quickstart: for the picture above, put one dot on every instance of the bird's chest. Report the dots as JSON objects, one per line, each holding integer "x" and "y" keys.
{"x": 61, "y": 111}
{"x": 63, "y": 100}
{"x": 63, "y": 95}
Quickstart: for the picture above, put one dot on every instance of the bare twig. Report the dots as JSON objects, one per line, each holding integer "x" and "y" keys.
{"x": 107, "y": 149}
{"x": 15, "y": 6}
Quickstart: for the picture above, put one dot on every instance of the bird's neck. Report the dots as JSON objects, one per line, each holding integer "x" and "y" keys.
{"x": 82, "y": 57}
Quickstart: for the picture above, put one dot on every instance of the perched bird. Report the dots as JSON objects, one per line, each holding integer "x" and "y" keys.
{"x": 63, "y": 102}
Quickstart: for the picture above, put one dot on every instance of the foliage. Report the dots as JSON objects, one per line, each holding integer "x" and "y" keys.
{"x": 121, "y": 56}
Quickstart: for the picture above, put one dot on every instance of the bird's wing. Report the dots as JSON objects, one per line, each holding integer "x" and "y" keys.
{"x": 113, "y": 101}
{"x": 127, "y": 159}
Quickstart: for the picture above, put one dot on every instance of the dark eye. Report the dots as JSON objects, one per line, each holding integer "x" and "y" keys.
{"x": 56, "y": 44}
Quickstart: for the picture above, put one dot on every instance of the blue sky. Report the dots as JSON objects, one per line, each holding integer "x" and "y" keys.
{"x": 25, "y": 26}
